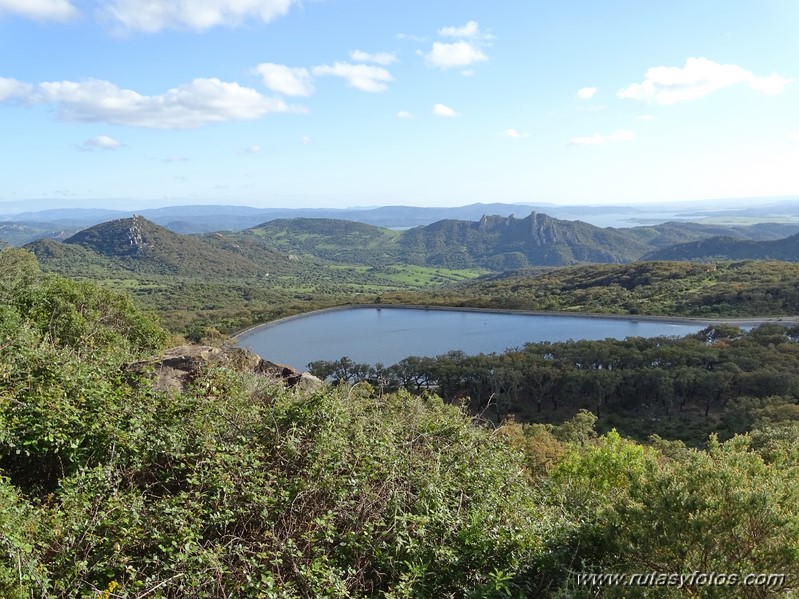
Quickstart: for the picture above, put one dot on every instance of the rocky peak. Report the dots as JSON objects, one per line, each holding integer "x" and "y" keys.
{"x": 488, "y": 222}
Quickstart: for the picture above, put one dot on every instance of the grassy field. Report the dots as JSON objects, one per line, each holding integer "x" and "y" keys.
{"x": 407, "y": 275}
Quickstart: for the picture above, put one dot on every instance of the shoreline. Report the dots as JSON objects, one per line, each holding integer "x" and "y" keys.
{"x": 742, "y": 321}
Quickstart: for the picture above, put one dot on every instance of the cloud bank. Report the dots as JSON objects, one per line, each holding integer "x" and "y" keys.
{"x": 195, "y": 104}
{"x": 697, "y": 79}
{"x": 39, "y": 10}
{"x": 152, "y": 16}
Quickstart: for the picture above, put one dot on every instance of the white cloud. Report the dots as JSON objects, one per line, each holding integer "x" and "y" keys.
{"x": 201, "y": 102}
{"x": 305, "y": 140}
{"x": 286, "y": 80}
{"x": 360, "y": 76}
{"x": 470, "y": 30}
{"x": 597, "y": 139}
{"x": 101, "y": 142}
{"x": 457, "y": 54}
{"x": 40, "y": 10}
{"x": 442, "y": 110}
{"x": 698, "y": 78}
{"x": 11, "y": 89}
{"x": 404, "y": 114}
{"x": 794, "y": 137}
{"x": 586, "y": 93}
{"x": 382, "y": 58}
{"x": 151, "y": 16}
{"x": 644, "y": 117}
{"x": 467, "y": 72}
{"x": 771, "y": 85}
{"x": 176, "y": 158}
{"x": 513, "y": 134}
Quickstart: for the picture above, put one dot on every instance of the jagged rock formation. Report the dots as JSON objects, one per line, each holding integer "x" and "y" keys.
{"x": 177, "y": 367}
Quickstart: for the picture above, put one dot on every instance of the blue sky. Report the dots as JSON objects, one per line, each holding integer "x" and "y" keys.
{"x": 356, "y": 102}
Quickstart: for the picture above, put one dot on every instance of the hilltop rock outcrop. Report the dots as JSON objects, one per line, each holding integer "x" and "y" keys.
{"x": 177, "y": 367}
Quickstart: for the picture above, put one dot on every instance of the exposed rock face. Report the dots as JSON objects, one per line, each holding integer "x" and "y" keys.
{"x": 135, "y": 238}
{"x": 179, "y": 366}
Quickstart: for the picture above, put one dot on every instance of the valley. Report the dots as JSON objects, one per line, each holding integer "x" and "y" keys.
{"x": 215, "y": 284}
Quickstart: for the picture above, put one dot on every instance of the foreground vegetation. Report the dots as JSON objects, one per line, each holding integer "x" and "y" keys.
{"x": 237, "y": 486}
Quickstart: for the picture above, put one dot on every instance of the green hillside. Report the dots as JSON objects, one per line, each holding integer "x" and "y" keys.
{"x": 501, "y": 243}
{"x": 728, "y": 248}
{"x": 72, "y": 259}
{"x": 335, "y": 240}
{"x": 723, "y": 289}
{"x": 139, "y": 245}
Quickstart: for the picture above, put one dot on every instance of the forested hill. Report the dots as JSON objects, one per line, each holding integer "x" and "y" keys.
{"x": 728, "y": 248}
{"x": 138, "y": 245}
{"x": 500, "y": 243}
{"x": 330, "y": 239}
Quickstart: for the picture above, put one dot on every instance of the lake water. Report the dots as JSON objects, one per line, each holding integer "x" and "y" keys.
{"x": 387, "y": 335}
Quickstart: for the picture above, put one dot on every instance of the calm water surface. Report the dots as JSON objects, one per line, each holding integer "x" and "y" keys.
{"x": 387, "y": 335}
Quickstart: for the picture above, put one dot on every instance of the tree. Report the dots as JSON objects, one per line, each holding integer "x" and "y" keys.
{"x": 542, "y": 379}
{"x": 343, "y": 370}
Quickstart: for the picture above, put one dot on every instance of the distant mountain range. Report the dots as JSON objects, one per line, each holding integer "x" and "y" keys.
{"x": 18, "y": 228}
{"x": 21, "y": 228}
{"x": 492, "y": 242}
{"x": 496, "y": 243}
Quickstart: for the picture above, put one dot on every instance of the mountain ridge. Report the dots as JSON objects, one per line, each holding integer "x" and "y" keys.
{"x": 206, "y": 218}
{"x": 730, "y": 248}
{"x": 494, "y": 242}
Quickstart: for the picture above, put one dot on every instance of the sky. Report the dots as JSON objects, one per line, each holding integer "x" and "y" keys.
{"x": 336, "y": 103}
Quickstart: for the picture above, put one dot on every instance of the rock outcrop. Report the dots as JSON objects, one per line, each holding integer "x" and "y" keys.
{"x": 179, "y": 366}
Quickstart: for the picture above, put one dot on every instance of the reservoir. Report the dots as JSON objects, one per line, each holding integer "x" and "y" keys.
{"x": 387, "y": 335}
